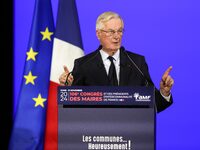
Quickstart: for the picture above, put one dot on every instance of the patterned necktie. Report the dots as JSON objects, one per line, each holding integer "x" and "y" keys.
{"x": 112, "y": 73}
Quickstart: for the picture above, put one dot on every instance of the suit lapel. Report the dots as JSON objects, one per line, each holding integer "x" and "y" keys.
{"x": 125, "y": 69}
{"x": 99, "y": 69}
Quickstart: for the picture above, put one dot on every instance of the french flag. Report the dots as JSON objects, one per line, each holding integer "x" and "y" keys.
{"x": 66, "y": 48}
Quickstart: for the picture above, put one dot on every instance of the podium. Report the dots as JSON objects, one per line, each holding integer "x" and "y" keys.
{"x": 106, "y": 118}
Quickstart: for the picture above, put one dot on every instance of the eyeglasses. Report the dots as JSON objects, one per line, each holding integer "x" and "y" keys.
{"x": 112, "y": 32}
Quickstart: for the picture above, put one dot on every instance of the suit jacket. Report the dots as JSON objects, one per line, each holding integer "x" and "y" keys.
{"x": 90, "y": 71}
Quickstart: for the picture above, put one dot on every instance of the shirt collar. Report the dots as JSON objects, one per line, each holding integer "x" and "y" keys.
{"x": 105, "y": 55}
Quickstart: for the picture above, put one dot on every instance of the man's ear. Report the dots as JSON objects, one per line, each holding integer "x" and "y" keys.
{"x": 98, "y": 34}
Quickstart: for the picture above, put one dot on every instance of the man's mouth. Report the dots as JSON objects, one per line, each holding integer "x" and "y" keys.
{"x": 115, "y": 43}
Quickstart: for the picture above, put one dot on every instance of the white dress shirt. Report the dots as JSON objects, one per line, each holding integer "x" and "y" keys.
{"x": 107, "y": 62}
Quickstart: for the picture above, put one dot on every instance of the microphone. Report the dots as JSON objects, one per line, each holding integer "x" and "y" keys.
{"x": 66, "y": 81}
{"x": 147, "y": 81}
{"x": 71, "y": 73}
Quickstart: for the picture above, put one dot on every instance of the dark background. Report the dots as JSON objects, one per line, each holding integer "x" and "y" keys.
{"x": 6, "y": 109}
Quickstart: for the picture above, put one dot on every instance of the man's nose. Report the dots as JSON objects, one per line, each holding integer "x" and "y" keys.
{"x": 116, "y": 35}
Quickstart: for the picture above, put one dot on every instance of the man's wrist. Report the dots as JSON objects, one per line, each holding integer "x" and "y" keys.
{"x": 167, "y": 98}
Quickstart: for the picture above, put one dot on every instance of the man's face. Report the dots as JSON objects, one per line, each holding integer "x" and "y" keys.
{"x": 111, "y": 35}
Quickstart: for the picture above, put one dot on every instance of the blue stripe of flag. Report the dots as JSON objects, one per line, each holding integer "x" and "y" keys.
{"x": 68, "y": 29}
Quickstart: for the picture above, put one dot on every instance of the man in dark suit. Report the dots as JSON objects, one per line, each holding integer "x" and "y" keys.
{"x": 128, "y": 69}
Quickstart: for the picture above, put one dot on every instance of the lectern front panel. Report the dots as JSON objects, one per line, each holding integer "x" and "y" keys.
{"x": 106, "y": 129}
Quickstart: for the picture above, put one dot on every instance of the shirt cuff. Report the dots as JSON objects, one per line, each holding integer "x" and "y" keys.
{"x": 167, "y": 98}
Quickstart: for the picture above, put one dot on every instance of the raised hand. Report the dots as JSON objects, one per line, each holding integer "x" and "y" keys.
{"x": 64, "y": 79}
{"x": 166, "y": 83}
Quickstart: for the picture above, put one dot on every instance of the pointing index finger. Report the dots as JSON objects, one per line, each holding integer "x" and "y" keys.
{"x": 66, "y": 69}
{"x": 167, "y": 72}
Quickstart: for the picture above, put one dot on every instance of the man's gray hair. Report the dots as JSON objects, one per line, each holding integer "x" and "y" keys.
{"x": 106, "y": 16}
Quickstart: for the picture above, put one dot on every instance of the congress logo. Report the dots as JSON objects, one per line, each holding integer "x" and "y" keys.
{"x": 143, "y": 98}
